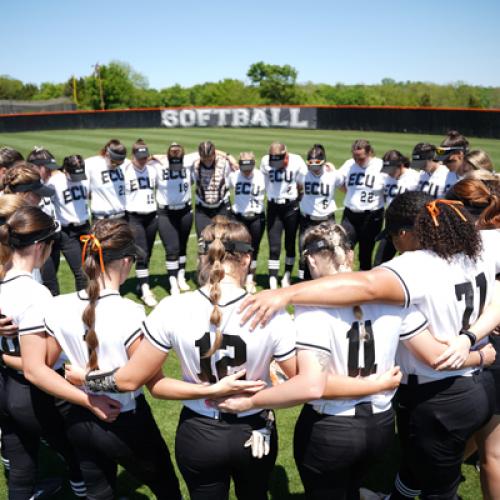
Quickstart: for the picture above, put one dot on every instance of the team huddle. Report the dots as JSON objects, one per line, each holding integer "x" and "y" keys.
{"x": 408, "y": 340}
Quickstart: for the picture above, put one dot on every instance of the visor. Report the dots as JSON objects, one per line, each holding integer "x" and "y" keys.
{"x": 76, "y": 173}
{"x": 389, "y": 166}
{"x": 141, "y": 153}
{"x": 35, "y": 187}
{"x": 49, "y": 163}
{"x": 443, "y": 153}
{"x": 233, "y": 246}
{"x": 277, "y": 161}
{"x": 130, "y": 250}
{"x": 419, "y": 160}
{"x": 118, "y": 157}
{"x": 175, "y": 163}
{"x": 18, "y": 240}
{"x": 246, "y": 165}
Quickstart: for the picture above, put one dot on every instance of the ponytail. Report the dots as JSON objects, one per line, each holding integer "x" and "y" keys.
{"x": 5, "y": 250}
{"x": 490, "y": 216}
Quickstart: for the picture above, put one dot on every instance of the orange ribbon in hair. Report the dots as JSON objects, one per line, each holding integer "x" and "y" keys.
{"x": 434, "y": 211}
{"x": 95, "y": 246}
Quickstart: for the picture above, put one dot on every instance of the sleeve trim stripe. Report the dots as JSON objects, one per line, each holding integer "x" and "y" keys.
{"x": 276, "y": 356}
{"x": 314, "y": 346}
{"x": 133, "y": 337}
{"x": 150, "y": 337}
{"x": 407, "y": 292}
{"x": 47, "y": 327}
{"x": 38, "y": 328}
{"x": 418, "y": 329}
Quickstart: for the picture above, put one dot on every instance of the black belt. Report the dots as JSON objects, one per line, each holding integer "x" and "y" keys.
{"x": 74, "y": 225}
{"x": 117, "y": 215}
{"x": 141, "y": 214}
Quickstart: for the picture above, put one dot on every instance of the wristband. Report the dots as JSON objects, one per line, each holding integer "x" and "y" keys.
{"x": 469, "y": 335}
{"x": 481, "y": 357}
{"x": 101, "y": 381}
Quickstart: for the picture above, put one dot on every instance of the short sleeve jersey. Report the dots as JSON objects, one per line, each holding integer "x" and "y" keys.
{"x": 24, "y": 300}
{"x": 409, "y": 181}
{"x": 173, "y": 186}
{"x": 71, "y": 199}
{"x": 281, "y": 183}
{"x": 318, "y": 198}
{"x": 118, "y": 324}
{"x": 172, "y": 325}
{"x": 140, "y": 188}
{"x": 248, "y": 192}
{"x": 107, "y": 186}
{"x": 364, "y": 185}
{"x": 339, "y": 333}
{"x": 439, "y": 182}
{"x": 451, "y": 295}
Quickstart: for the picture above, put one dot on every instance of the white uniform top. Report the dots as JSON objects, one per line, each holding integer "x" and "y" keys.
{"x": 450, "y": 295}
{"x": 439, "y": 182}
{"x": 140, "y": 188}
{"x": 117, "y": 325}
{"x": 248, "y": 192}
{"x": 173, "y": 187}
{"x": 409, "y": 181}
{"x": 319, "y": 193}
{"x": 70, "y": 199}
{"x": 281, "y": 183}
{"x": 46, "y": 205}
{"x": 337, "y": 333}
{"x": 107, "y": 187}
{"x": 25, "y": 301}
{"x": 364, "y": 185}
{"x": 172, "y": 325}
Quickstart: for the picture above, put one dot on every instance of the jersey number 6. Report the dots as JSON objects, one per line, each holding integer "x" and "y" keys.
{"x": 221, "y": 366}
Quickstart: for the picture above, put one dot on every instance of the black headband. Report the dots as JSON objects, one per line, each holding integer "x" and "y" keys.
{"x": 20, "y": 240}
{"x": 24, "y": 188}
{"x": 129, "y": 250}
{"x": 232, "y": 246}
{"x": 316, "y": 246}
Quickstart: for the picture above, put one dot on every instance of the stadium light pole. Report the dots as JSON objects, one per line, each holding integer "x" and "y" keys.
{"x": 97, "y": 73}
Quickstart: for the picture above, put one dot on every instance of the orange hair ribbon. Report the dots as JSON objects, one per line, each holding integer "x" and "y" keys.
{"x": 95, "y": 246}
{"x": 434, "y": 211}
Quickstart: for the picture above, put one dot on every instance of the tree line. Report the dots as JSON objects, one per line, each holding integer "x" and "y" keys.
{"x": 118, "y": 85}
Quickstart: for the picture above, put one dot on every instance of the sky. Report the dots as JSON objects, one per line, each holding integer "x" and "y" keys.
{"x": 189, "y": 42}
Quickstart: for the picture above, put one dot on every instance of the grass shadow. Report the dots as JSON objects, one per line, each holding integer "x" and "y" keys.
{"x": 280, "y": 485}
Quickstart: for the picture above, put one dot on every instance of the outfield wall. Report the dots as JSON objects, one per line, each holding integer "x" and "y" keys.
{"x": 471, "y": 122}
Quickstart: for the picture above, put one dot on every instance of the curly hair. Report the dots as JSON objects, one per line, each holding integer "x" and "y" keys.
{"x": 450, "y": 233}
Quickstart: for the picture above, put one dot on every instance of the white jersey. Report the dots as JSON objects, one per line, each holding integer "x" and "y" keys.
{"x": 70, "y": 199}
{"x": 439, "y": 182}
{"x": 364, "y": 185}
{"x": 248, "y": 192}
{"x": 173, "y": 187}
{"x": 409, "y": 181}
{"x": 337, "y": 333}
{"x": 451, "y": 295}
{"x": 24, "y": 300}
{"x": 281, "y": 183}
{"x": 172, "y": 325}
{"x": 319, "y": 193}
{"x": 140, "y": 188}
{"x": 46, "y": 205}
{"x": 107, "y": 187}
{"x": 117, "y": 325}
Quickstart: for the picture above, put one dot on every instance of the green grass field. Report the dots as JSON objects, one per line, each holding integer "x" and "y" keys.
{"x": 286, "y": 482}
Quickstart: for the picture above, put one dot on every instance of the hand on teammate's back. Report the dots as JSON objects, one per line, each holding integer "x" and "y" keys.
{"x": 391, "y": 379}
{"x": 262, "y": 306}
{"x": 233, "y": 385}
{"x": 7, "y": 327}
{"x": 74, "y": 375}
{"x": 104, "y": 408}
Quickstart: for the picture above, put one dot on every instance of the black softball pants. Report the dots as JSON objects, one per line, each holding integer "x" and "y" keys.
{"x": 174, "y": 227}
{"x": 51, "y": 266}
{"x": 435, "y": 420}
{"x": 71, "y": 248}
{"x": 363, "y": 227}
{"x": 333, "y": 453}
{"x": 133, "y": 440}
{"x": 203, "y": 216}
{"x": 282, "y": 218}
{"x": 34, "y": 414}
{"x": 144, "y": 227}
{"x": 385, "y": 251}
{"x": 210, "y": 452}
{"x": 256, "y": 226}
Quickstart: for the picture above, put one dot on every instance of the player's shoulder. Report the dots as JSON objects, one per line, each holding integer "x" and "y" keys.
{"x": 94, "y": 161}
{"x": 349, "y": 163}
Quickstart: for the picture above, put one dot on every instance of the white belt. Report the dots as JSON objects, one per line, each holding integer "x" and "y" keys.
{"x": 424, "y": 379}
{"x": 103, "y": 215}
{"x": 280, "y": 201}
{"x": 211, "y": 205}
{"x": 327, "y": 408}
{"x": 216, "y": 415}
{"x": 318, "y": 217}
{"x": 179, "y": 206}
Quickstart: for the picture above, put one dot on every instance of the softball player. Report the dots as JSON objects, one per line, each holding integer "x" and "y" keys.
{"x": 439, "y": 403}
{"x": 26, "y": 240}
{"x": 107, "y": 182}
{"x": 435, "y": 179}
{"x": 140, "y": 205}
{"x": 175, "y": 214}
{"x": 70, "y": 200}
{"x": 453, "y": 149}
{"x": 212, "y": 195}
{"x": 211, "y": 446}
{"x": 364, "y": 200}
{"x": 249, "y": 188}
{"x": 80, "y": 324}
{"x": 281, "y": 170}
{"x": 400, "y": 178}
{"x": 318, "y": 200}
{"x": 8, "y": 158}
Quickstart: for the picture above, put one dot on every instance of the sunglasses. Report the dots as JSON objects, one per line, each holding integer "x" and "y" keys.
{"x": 315, "y": 162}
